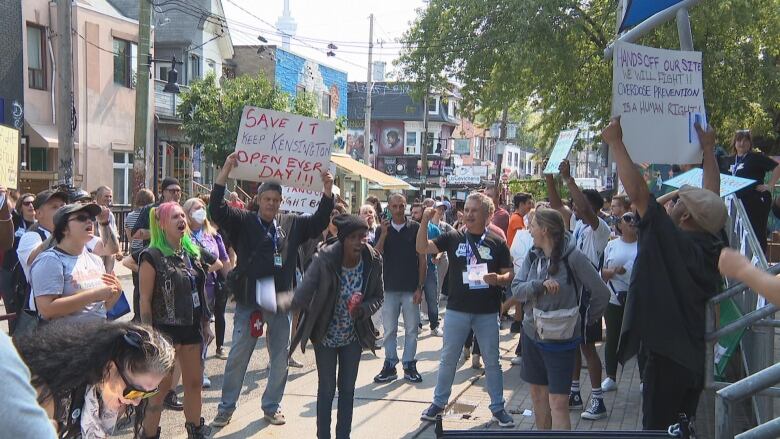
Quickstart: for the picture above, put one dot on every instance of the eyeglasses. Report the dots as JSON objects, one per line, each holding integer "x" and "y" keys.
{"x": 175, "y": 191}
{"x": 133, "y": 392}
{"x": 27, "y": 203}
{"x": 82, "y": 218}
{"x": 630, "y": 219}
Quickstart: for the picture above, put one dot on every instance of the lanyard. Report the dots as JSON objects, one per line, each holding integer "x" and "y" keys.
{"x": 270, "y": 232}
{"x": 737, "y": 162}
{"x": 470, "y": 256}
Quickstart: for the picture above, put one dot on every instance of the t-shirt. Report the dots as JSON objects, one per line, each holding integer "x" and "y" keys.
{"x": 462, "y": 298}
{"x": 674, "y": 275}
{"x": 520, "y": 247}
{"x": 433, "y": 232}
{"x": 341, "y": 329}
{"x": 592, "y": 242}
{"x": 136, "y": 245}
{"x": 29, "y": 242}
{"x": 57, "y": 273}
{"x": 501, "y": 219}
{"x": 214, "y": 245}
{"x": 619, "y": 254}
{"x": 516, "y": 222}
{"x": 753, "y": 165}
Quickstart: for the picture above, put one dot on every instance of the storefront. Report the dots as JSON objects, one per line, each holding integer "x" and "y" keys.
{"x": 358, "y": 180}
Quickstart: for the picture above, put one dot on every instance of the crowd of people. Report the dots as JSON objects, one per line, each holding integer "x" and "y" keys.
{"x": 341, "y": 283}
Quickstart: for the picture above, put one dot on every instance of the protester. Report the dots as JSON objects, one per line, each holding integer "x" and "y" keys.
{"x": 234, "y": 201}
{"x": 170, "y": 190}
{"x": 431, "y": 286}
{"x": 46, "y": 205}
{"x": 20, "y": 414}
{"x": 687, "y": 242}
{"x": 23, "y": 217}
{"x": 523, "y": 203}
{"x": 757, "y": 198}
{"x": 104, "y": 197}
{"x": 87, "y": 373}
{"x": 591, "y": 234}
{"x": 619, "y": 205}
{"x": 172, "y": 278}
{"x": 341, "y": 289}
{"x": 70, "y": 283}
{"x": 735, "y": 266}
{"x": 501, "y": 216}
{"x": 369, "y": 214}
{"x": 268, "y": 247}
{"x": 207, "y": 238}
{"x": 441, "y": 260}
{"x": 550, "y": 284}
{"x": 374, "y": 201}
{"x": 403, "y": 290}
{"x": 479, "y": 263}
{"x": 519, "y": 249}
{"x": 619, "y": 259}
{"x": 143, "y": 198}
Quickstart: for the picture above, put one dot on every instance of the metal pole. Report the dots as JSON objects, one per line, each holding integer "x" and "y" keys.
{"x": 768, "y": 430}
{"x": 369, "y": 86}
{"x": 684, "y": 29}
{"x": 65, "y": 106}
{"x": 142, "y": 96}
{"x": 424, "y": 151}
{"x": 500, "y": 149}
{"x": 722, "y": 418}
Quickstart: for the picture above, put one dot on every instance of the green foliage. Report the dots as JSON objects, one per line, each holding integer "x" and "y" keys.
{"x": 537, "y": 188}
{"x": 549, "y": 54}
{"x": 210, "y": 114}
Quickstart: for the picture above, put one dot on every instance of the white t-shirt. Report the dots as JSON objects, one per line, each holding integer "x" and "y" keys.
{"x": 619, "y": 254}
{"x": 29, "y": 242}
{"x": 592, "y": 242}
{"x": 520, "y": 247}
{"x": 55, "y": 273}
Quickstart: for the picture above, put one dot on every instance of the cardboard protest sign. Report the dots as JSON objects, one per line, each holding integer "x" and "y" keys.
{"x": 298, "y": 200}
{"x": 728, "y": 183}
{"x": 561, "y": 150}
{"x": 658, "y": 95}
{"x": 293, "y": 150}
{"x": 9, "y": 157}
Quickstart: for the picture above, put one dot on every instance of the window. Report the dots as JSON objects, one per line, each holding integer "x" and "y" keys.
{"x": 163, "y": 73}
{"x": 38, "y": 159}
{"x": 123, "y": 177}
{"x": 36, "y": 57}
{"x": 194, "y": 67}
{"x": 125, "y": 60}
{"x": 433, "y": 105}
{"x": 326, "y": 105}
{"x": 411, "y": 138}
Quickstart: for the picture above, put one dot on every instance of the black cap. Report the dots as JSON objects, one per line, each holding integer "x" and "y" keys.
{"x": 346, "y": 224}
{"x": 62, "y": 214}
{"x": 168, "y": 181}
{"x": 47, "y": 195}
{"x": 80, "y": 196}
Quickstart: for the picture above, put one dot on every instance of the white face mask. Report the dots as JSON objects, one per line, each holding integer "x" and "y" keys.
{"x": 199, "y": 216}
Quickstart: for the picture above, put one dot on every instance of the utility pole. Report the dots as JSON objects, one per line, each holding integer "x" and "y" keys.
{"x": 500, "y": 148}
{"x": 142, "y": 95}
{"x": 424, "y": 152}
{"x": 369, "y": 87}
{"x": 66, "y": 125}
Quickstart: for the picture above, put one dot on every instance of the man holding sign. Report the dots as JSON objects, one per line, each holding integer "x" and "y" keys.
{"x": 267, "y": 251}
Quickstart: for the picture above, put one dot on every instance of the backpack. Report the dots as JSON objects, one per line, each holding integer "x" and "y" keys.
{"x": 21, "y": 291}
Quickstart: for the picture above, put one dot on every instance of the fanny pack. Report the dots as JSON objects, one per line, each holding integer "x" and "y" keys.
{"x": 558, "y": 325}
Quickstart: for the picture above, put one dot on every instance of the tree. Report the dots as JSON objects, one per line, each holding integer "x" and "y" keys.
{"x": 211, "y": 115}
{"x": 550, "y": 53}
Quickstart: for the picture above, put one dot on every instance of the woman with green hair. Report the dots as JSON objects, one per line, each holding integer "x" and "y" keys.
{"x": 172, "y": 277}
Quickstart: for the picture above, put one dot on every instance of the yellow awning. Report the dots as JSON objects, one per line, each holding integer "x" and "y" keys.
{"x": 353, "y": 166}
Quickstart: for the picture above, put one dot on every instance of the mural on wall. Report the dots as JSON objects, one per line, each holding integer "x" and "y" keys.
{"x": 294, "y": 73}
{"x": 391, "y": 140}
{"x": 356, "y": 144}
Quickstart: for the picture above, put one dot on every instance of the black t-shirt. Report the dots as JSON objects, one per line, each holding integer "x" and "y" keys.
{"x": 753, "y": 165}
{"x": 675, "y": 273}
{"x": 461, "y": 298}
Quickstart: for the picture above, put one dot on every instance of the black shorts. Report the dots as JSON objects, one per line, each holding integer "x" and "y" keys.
{"x": 182, "y": 335}
{"x": 590, "y": 333}
{"x": 547, "y": 368}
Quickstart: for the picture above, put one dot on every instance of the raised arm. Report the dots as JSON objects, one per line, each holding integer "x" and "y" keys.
{"x": 424, "y": 245}
{"x": 584, "y": 210}
{"x": 635, "y": 185}
{"x": 313, "y": 225}
{"x": 735, "y": 266}
{"x": 552, "y": 192}
{"x": 228, "y": 218}
{"x": 109, "y": 242}
{"x": 710, "y": 170}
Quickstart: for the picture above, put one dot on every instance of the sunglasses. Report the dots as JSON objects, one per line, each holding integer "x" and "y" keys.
{"x": 133, "y": 392}
{"x": 629, "y": 218}
{"x": 82, "y": 218}
{"x": 27, "y": 203}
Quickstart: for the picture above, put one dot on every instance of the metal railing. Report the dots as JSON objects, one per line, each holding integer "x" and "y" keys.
{"x": 756, "y": 346}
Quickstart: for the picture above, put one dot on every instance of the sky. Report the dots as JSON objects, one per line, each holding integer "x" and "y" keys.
{"x": 345, "y": 23}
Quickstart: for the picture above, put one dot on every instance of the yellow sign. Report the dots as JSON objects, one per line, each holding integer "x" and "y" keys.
{"x": 9, "y": 157}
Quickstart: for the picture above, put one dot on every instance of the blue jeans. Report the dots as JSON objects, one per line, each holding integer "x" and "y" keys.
{"x": 347, "y": 358}
{"x": 432, "y": 296}
{"x": 456, "y": 328}
{"x": 278, "y": 338}
{"x": 396, "y": 303}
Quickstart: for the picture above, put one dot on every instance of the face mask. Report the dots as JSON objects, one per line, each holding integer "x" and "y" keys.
{"x": 199, "y": 216}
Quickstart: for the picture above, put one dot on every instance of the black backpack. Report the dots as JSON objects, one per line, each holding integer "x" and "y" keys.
{"x": 20, "y": 286}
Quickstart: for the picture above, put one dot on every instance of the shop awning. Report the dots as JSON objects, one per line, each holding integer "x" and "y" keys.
{"x": 353, "y": 166}
{"x": 42, "y": 135}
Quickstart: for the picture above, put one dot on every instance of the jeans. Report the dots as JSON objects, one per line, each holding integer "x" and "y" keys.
{"x": 278, "y": 338}
{"x": 347, "y": 358}
{"x": 456, "y": 328}
{"x": 396, "y": 303}
{"x": 614, "y": 320}
{"x": 432, "y": 296}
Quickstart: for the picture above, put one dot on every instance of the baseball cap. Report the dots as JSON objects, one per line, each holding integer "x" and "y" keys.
{"x": 44, "y": 196}
{"x": 439, "y": 204}
{"x": 706, "y": 208}
{"x": 168, "y": 181}
{"x": 62, "y": 214}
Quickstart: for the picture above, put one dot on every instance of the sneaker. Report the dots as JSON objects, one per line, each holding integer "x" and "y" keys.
{"x": 411, "y": 374}
{"x": 437, "y": 332}
{"x": 292, "y": 362}
{"x": 504, "y": 419}
{"x": 221, "y": 353}
{"x": 596, "y": 410}
{"x": 431, "y": 413}
{"x": 476, "y": 363}
{"x": 275, "y": 419}
{"x": 200, "y": 431}
{"x": 222, "y": 419}
{"x": 608, "y": 385}
{"x": 206, "y": 381}
{"x": 516, "y": 327}
{"x": 575, "y": 401}
{"x": 172, "y": 402}
{"x": 423, "y": 316}
{"x": 516, "y": 361}
{"x": 466, "y": 353}
{"x": 387, "y": 374}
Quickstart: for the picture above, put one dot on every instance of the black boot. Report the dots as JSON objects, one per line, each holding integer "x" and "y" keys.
{"x": 202, "y": 431}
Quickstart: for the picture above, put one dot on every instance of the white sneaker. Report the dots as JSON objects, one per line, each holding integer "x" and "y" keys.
{"x": 608, "y": 385}
{"x": 423, "y": 317}
{"x": 518, "y": 360}
{"x": 437, "y": 332}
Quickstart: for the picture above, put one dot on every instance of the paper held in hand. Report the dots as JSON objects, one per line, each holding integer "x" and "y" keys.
{"x": 729, "y": 184}
{"x": 561, "y": 150}
{"x": 293, "y": 150}
{"x": 265, "y": 293}
{"x": 658, "y": 94}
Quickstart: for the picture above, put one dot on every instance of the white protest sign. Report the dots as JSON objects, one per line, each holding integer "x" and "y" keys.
{"x": 9, "y": 157}
{"x": 658, "y": 94}
{"x": 293, "y": 150}
{"x": 466, "y": 175}
{"x": 561, "y": 150}
{"x": 728, "y": 183}
{"x": 299, "y": 200}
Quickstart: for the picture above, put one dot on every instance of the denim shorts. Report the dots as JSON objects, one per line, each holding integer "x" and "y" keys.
{"x": 547, "y": 368}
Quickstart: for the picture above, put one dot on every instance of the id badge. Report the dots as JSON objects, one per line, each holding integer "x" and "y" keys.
{"x": 195, "y": 299}
{"x": 277, "y": 260}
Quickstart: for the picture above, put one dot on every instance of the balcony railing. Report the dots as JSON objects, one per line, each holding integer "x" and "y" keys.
{"x": 165, "y": 103}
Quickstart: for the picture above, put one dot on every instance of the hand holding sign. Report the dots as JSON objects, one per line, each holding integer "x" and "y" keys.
{"x": 565, "y": 169}
{"x": 706, "y": 137}
{"x": 613, "y": 133}
{"x": 327, "y": 183}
